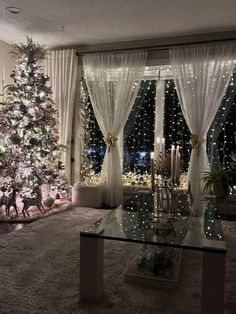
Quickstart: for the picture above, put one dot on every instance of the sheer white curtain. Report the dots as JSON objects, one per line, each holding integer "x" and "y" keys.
{"x": 113, "y": 81}
{"x": 62, "y": 68}
{"x": 159, "y": 112}
{"x": 201, "y": 74}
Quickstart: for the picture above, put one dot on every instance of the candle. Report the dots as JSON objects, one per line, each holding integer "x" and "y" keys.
{"x": 163, "y": 155}
{"x": 152, "y": 171}
{"x": 173, "y": 164}
{"x": 177, "y": 164}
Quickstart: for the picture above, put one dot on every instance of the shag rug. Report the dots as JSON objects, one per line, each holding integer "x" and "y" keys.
{"x": 39, "y": 272}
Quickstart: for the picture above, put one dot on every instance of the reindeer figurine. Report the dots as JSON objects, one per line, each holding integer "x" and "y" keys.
{"x": 33, "y": 201}
{"x": 3, "y": 198}
{"x": 10, "y": 200}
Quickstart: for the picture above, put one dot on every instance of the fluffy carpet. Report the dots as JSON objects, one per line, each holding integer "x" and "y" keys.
{"x": 39, "y": 272}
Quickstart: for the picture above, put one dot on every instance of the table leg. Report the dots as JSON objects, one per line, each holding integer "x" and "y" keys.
{"x": 91, "y": 268}
{"x": 213, "y": 282}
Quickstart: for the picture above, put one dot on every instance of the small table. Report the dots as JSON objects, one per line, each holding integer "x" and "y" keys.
{"x": 130, "y": 222}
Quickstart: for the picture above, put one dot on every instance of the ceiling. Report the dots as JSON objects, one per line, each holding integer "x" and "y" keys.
{"x": 57, "y": 23}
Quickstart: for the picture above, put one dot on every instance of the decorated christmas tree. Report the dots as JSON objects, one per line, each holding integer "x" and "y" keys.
{"x": 29, "y": 143}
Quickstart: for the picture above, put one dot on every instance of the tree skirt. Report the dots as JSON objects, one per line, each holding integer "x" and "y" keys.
{"x": 39, "y": 272}
{"x": 34, "y": 213}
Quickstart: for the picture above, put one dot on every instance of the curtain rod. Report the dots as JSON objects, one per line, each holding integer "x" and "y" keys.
{"x": 157, "y": 47}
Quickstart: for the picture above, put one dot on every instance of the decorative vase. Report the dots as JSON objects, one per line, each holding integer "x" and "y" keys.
{"x": 220, "y": 190}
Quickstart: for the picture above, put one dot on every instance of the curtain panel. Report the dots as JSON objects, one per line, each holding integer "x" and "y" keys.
{"x": 159, "y": 112}
{"x": 113, "y": 82}
{"x": 62, "y": 69}
{"x": 218, "y": 125}
{"x": 201, "y": 74}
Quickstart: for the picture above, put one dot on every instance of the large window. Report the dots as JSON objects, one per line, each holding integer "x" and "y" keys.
{"x": 138, "y": 135}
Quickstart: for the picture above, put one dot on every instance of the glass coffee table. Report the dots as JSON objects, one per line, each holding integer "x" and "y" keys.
{"x": 133, "y": 222}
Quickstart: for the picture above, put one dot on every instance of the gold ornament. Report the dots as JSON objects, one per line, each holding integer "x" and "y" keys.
{"x": 196, "y": 142}
{"x": 110, "y": 140}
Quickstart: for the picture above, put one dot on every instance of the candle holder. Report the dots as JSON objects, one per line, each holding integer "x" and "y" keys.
{"x": 164, "y": 190}
{"x": 164, "y": 206}
{"x": 163, "y": 218}
{"x": 165, "y": 170}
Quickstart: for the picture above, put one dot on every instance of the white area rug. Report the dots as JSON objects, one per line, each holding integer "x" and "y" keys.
{"x": 39, "y": 272}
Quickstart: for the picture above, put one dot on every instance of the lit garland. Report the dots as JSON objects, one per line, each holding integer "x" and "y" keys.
{"x": 136, "y": 179}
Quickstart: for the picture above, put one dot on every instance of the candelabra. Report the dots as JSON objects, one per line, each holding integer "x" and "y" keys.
{"x": 164, "y": 180}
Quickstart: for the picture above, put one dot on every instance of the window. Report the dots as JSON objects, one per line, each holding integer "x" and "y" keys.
{"x": 138, "y": 136}
{"x": 139, "y": 130}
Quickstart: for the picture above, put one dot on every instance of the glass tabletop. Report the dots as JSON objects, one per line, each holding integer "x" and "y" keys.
{"x": 136, "y": 221}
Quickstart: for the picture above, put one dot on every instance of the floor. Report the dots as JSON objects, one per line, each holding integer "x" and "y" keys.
{"x": 9, "y": 227}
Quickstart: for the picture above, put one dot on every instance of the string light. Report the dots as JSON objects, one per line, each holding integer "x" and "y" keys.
{"x": 139, "y": 130}
{"x": 221, "y": 132}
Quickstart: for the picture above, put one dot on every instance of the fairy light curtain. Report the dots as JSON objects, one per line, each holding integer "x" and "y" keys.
{"x": 176, "y": 130}
{"x": 201, "y": 74}
{"x": 62, "y": 68}
{"x": 113, "y": 81}
{"x": 97, "y": 147}
{"x": 138, "y": 131}
{"x": 221, "y": 133}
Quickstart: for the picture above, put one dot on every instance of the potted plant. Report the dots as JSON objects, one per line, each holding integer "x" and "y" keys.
{"x": 232, "y": 176}
{"x": 217, "y": 180}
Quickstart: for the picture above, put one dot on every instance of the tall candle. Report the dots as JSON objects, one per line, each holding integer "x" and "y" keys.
{"x": 152, "y": 171}
{"x": 173, "y": 163}
{"x": 177, "y": 163}
{"x": 163, "y": 155}
{"x": 178, "y": 168}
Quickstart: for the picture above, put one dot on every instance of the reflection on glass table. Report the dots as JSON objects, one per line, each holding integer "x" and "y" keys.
{"x": 133, "y": 221}
{"x": 136, "y": 220}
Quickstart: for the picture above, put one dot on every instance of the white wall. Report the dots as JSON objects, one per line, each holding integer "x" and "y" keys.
{"x": 6, "y": 60}
{"x": 158, "y": 48}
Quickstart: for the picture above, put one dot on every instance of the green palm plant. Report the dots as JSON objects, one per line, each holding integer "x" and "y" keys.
{"x": 232, "y": 174}
{"x": 217, "y": 180}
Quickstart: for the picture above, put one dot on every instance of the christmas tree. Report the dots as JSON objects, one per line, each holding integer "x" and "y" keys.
{"x": 29, "y": 143}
